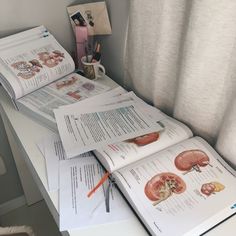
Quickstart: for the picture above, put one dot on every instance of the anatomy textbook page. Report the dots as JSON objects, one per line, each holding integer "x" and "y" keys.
{"x": 70, "y": 89}
{"x": 34, "y": 63}
{"x": 182, "y": 187}
{"x": 102, "y": 99}
{"x": 115, "y": 156}
{"x": 78, "y": 176}
{"x": 91, "y": 128}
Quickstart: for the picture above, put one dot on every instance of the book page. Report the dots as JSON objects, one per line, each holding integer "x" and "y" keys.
{"x": 115, "y": 156}
{"x": 53, "y": 152}
{"x": 77, "y": 178}
{"x": 116, "y": 96}
{"x": 100, "y": 100}
{"x": 86, "y": 130}
{"x": 23, "y": 37}
{"x": 183, "y": 190}
{"x": 70, "y": 89}
{"x": 33, "y": 64}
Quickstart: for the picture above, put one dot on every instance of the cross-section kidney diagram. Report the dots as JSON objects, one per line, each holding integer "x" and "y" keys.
{"x": 162, "y": 186}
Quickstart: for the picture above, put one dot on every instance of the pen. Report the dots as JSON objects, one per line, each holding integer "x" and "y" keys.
{"x": 93, "y": 51}
{"x": 102, "y": 180}
{"x": 86, "y": 51}
{"x": 97, "y": 53}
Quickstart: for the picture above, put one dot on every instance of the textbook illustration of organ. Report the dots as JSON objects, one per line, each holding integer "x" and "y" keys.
{"x": 191, "y": 160}
{"x": 212, "y": 188}
{"x": 28, "y": 69}
{"x": 51, "y": 59}
{"x": 145, "y": 139}
{"x": 162, "y": 186}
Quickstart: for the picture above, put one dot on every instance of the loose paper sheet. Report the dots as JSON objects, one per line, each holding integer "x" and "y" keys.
{"x": 53, "y": 151}
{"x": 86, "y": 130}
{"x": 77, "y": 177}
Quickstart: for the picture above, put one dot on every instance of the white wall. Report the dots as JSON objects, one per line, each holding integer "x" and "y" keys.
{"x": 18, "y": 15}
{"x": 113, "y": 45}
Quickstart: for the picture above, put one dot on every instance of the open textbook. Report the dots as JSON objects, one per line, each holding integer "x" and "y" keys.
{"x": 38, "y": 74}
{"x": 169, "y": 177}
{"x": 186, "y": 189}
{"x": 186, "y": 185}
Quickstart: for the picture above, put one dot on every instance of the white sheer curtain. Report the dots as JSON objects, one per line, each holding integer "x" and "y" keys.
{"x": 181, "y": 56}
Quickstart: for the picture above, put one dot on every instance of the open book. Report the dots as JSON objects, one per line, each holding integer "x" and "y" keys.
{"x": 37, "y": 73}
{"x": 176, "y": 183}
{"x": 185, "y": 189}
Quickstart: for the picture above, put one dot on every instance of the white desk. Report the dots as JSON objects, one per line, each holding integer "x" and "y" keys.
{"x": 23, "y": 133}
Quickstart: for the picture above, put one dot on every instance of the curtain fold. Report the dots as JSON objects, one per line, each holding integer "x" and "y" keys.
{"x": 181, "y": 56}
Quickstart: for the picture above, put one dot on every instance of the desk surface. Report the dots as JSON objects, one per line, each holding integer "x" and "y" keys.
{"x": 27, "y": 133}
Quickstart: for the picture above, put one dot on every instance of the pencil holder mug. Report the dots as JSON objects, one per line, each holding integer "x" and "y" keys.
{"x": 92, "y": 69}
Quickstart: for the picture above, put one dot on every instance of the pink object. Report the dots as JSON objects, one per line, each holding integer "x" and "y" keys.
{"x": 191, "y": 160}
{"x": 81, "y": 33}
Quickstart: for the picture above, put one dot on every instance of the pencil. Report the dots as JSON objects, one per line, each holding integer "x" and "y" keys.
{"x": 102, "y": 180}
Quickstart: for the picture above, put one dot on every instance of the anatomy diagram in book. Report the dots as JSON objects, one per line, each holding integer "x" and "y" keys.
{"x": 145, "y": 139}
{"x": 211, "y": 188}
{"x": 66, "y": 83}
{"x": 88, "y": 86}
{"x": 191, "y": 160}
{"x": 162, "y": 186}
{"x": 51, "y": 59}
{"x": 74, "y": 94}
{"x": 27, "y": 70}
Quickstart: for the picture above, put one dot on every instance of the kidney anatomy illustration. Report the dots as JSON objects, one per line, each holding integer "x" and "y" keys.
{"x": 162, "y": 186}
{"x": 145, "y": 139}
{"x": 191, "y": 160}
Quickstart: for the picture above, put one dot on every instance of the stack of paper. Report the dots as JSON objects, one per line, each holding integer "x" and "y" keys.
{"x": 74, "y": 178}
{"x": 84, "y": 128}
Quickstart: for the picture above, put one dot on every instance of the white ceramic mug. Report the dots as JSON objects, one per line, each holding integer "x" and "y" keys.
{"x": 92, "y": 70}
